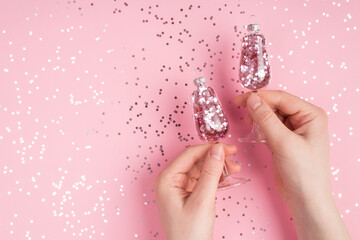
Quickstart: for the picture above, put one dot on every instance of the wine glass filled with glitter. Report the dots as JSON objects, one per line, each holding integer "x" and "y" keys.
{"x": 254, "y": 70}
{"x": 212, "y": 124}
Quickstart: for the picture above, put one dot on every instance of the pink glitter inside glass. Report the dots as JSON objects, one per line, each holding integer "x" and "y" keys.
{"x": 254, "y": 63}
{"x": 210, "y": 120}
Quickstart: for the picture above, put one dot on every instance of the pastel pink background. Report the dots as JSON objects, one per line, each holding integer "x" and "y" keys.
{"x": 93, "y": 104}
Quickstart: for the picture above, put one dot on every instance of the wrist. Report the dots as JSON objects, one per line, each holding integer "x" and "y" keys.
{"x": 311, "y": 205}
{"x": 309, "y": 194}
{"x": 314, "y": 216}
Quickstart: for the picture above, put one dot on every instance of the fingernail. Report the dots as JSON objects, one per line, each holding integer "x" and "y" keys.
{"x": 217, "y": 152}
{"x": 254, "y": 101}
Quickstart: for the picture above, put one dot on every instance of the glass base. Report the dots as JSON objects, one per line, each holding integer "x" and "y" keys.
{"x": 230, "y": 182}
{"x": 255, "y": 136}
{"x": 252, "y": 137}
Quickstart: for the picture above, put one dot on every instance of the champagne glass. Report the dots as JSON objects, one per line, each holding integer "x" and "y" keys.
{"x": 212, "y": 124}
{"x": 254, "y": 70}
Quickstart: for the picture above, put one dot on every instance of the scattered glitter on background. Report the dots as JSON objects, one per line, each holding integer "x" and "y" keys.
{"x": 94, "y": 102}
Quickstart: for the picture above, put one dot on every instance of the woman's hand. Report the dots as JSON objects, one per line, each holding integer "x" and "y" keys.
{"x": 297, "y": 135}
{"x": 185, "y": 191}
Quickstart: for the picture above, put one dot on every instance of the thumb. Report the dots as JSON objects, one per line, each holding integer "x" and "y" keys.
{"x": 262, "y": 114}
{"x": 210, "y": 174}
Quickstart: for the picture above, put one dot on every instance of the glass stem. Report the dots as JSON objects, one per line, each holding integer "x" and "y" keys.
{"x": 255, "y": 128}
{"x": 225, "y": 170}
{"x": 257, "y": 131}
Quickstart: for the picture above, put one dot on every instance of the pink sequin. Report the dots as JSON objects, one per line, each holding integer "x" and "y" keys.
{"x": 210, "y": 120}
{"x": 254, "y": 63}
